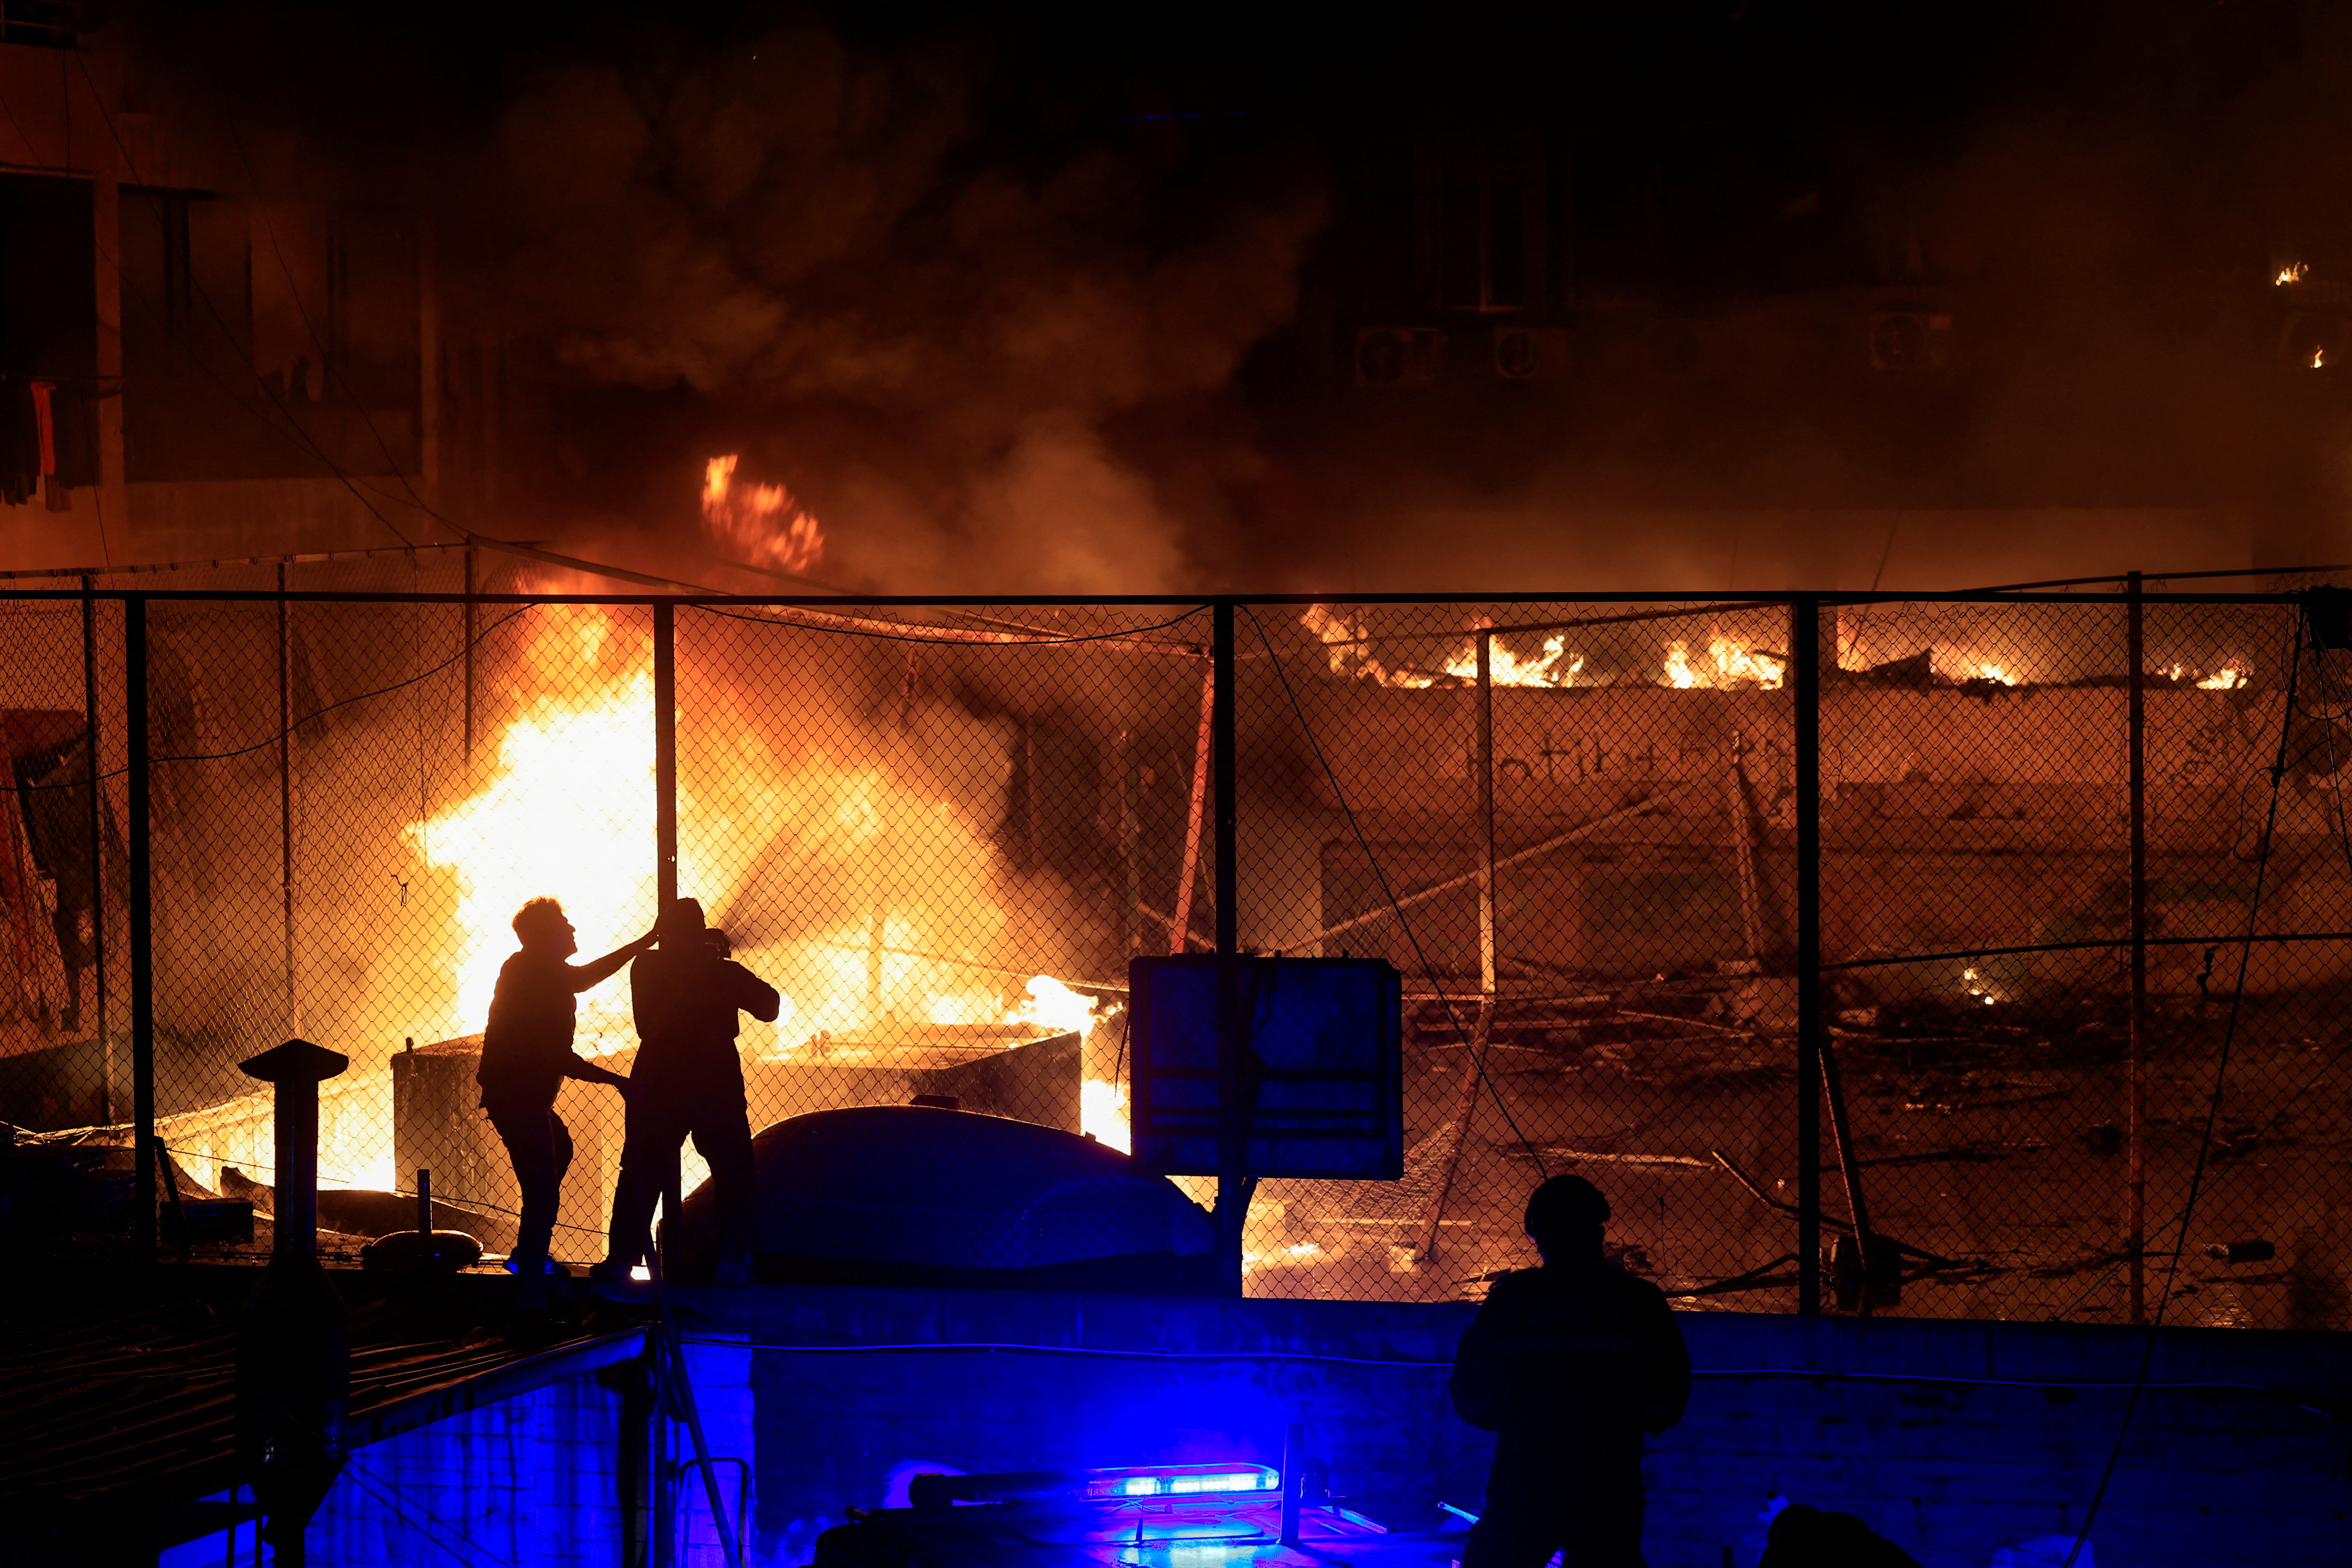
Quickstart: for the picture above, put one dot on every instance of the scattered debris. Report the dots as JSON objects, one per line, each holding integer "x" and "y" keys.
{"x": 2255, "y": 1251}
{"x": 1559, "y": 1151}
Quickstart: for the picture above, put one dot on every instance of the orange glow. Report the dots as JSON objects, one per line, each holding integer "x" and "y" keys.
{"x": 1348, "y": 650}
{"x": 2228, "y": 678}
{"x": 2291, "y": 273}
{"x": 2317, "y": 356}
{"x": 760, "y": 522}
{"x": 1727, "y": 665}
{"x": 568, "y": 811}
{"x": 1505, "y": 668}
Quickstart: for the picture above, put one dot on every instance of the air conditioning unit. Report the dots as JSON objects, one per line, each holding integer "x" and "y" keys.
{"x": 2316, "y": 340}
{"x": 1531, "y": 354}
{"x": 1673, "y": 349}
{"x": 1910, "y": 340}
{"x": 1399, "y": 356}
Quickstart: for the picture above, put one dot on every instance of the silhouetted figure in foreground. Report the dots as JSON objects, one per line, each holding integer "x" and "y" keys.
{"x": 1568, "y": 1365}
{"x": 526, "y": 1055}
{"x": 689, "y": 1080}
{"x": 1803, "y": 1537}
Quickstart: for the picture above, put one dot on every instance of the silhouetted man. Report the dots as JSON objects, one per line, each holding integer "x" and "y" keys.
{"x": 526, "y": 1055}
{"x": 689, "y": 1080}
{"x": 1568, "y": 1365}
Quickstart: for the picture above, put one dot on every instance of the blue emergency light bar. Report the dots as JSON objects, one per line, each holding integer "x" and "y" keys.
{"x": 1181, "y": 1480}
{"x": 1229, "y": 1485}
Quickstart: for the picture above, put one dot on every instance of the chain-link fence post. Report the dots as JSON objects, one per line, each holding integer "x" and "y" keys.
{"x": 665, "y": 756}
{"x": 285, "y": 666}
{"x": 665, "y": 849}
{"x": 93, "y": 773}
{"x": 2135, "y": 1113}
{"x": 141, "y": 933}
{"x": 1234, "y": 1184}
{"x": 1805, "y": 672}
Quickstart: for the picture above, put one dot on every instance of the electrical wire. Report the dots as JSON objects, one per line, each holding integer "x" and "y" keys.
{"x": 1479, "y": 1052}
{"x": 2213, "y": 1106}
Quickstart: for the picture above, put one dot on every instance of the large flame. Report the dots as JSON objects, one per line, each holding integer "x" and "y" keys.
{"x": 895, "y": 892}
{"x": 760, "y": 522}
{"x": 567, "y": 812}
{"x": 1102, "y": 1104}
{"x": 1555, "y": 667}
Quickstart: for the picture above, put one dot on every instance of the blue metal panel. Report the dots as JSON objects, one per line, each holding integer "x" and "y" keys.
{"x": 1321, "y": 1073}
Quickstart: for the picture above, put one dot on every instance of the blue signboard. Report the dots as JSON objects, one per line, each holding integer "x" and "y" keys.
{"x": 1317, "y": 1069}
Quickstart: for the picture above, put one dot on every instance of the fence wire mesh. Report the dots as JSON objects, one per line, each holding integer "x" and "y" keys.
{"x": 941, "y": 833}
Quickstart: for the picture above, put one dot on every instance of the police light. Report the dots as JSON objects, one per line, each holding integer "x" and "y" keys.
{"x": 1182, "y": 1480}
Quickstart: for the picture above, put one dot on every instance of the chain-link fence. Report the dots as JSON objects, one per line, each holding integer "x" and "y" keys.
{"x": 941, "y": 831}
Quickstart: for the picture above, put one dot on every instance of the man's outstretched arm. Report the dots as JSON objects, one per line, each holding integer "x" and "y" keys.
{"x": 586, "y": 1071}
{"x": 596, "y": 971}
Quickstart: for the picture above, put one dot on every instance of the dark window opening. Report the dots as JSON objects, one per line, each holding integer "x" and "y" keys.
{"x": 49, "y": 326}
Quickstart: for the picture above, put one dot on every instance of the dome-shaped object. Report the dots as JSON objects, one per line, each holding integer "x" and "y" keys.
{"x": 921, "y": 1194}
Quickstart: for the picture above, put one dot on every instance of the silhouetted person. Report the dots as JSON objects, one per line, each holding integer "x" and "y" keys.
{"x": 689, "y": 1080}
{"x": 526, "y": 1055}
{"x": 1568, "y": 1365}
{"x": 1803, "y": 1537}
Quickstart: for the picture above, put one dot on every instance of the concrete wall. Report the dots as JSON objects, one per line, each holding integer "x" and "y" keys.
{"x": 1961, "y": 1440}
{"x": 547, "y": 1477}
{"x": 1964, "y": 1441}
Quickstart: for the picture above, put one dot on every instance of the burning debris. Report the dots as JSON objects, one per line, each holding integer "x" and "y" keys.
{"x": 758, "y": 523}
{"x": 1728, "y": 663}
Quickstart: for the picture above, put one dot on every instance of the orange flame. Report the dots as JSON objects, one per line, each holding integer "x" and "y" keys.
{"x": 1729, "y": 665}
{"x": 1348, "y": 649}
{"x": 2290, "y": 273}
{"x": 2228, "y": 678}
{"x": 760, "y": 522}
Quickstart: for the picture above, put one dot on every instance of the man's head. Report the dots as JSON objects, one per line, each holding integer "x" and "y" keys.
{"x": 540, "y": 926}
{"x": 679, "y": 925}
{"x": 1565, "y": 1217}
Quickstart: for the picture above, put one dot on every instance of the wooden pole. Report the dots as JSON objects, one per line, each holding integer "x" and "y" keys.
{"x": 1179, "y": 929}
{"x": 1465, "y": 1108}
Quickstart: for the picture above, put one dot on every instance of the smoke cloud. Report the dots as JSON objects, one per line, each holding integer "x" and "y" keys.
{"x": 938, "y": 338}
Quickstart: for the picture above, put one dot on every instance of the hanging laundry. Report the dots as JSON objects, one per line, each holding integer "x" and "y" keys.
{"x": 20, "y": 442}
{"x": 45, "y": 424}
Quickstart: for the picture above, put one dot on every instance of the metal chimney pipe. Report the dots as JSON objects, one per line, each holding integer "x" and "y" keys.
{"x": 295, "y": 1070}
{"x": 293, "y": 1341}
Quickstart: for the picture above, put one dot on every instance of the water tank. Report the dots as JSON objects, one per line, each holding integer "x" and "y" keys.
{"x": 925, "y": 1195}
